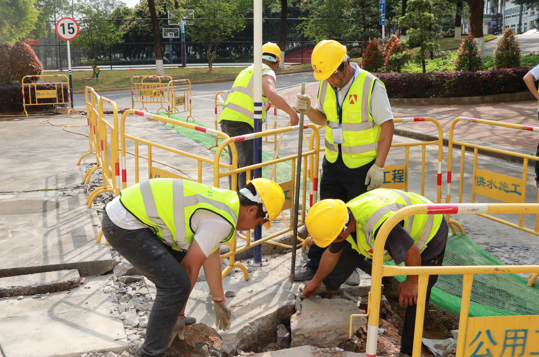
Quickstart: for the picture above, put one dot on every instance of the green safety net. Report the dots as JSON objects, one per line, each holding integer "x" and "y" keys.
{"x": 492, "y": 294}
{"x": 283, "y": 171}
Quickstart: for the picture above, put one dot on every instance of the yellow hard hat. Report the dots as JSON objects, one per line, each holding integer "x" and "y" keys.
{"x": 326, "y": 58}
{"x": 272, "y": 197}
{"x": 272, "y": 48}
{"x": 326, "y": 220}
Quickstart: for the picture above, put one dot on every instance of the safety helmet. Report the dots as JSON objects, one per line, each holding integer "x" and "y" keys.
{"x": 272, "y": 48}
{"x": 326, "y": 220}
{"x": 270, "y": 194}
{"x": 326, "y": 58}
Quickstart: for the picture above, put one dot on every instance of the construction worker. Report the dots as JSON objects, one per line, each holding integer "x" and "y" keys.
{"x": 354, "y": 106}
{"x": 237, "y": 117}
{"x": 169, "y": 228}
{"x": 350, "y": 229}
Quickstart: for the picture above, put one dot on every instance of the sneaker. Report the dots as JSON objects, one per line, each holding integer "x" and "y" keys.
{"x": 190, "y": 320}
{"x": 304, "y": 273}
{"x": 353, "y": 279}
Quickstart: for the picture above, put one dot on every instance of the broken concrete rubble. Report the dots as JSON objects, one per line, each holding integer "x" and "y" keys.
{"x": 323, "y": 322}
{"x": 39, "y": 283}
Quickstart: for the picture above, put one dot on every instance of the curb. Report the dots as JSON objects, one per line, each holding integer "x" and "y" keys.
{"x": 192, "y": 83}
{"x": 424, "y": 135}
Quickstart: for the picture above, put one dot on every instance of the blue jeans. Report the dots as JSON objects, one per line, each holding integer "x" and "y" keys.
{"x": 156, "y": 261}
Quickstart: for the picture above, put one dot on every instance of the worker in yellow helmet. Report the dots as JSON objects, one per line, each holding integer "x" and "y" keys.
{"x": 169, "y": 228}
{"x": 351, "y": 229}
{"x": 237, "y": 117}
{"x": 354, "y": 106}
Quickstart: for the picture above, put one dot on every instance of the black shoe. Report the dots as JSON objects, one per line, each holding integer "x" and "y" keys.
{"x": 304, "y": 273}
{"x": 190, "y": 320}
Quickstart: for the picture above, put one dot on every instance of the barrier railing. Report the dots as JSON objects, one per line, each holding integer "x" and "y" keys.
{"x": 91, "y": 116}
{"x": 154, "y": 171}
{"x": 216, "y": 104}
{"x": 179, "y": 97}
{"x": 147, "y": 91}
{"x": 46, "y": 94}
{"x": 465, "y": 343}
{"x": 288, "y": 187}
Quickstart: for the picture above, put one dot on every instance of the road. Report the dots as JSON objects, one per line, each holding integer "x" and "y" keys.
{"x": 528, "y": 44}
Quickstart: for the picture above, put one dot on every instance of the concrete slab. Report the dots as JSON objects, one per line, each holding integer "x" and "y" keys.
{"x": 39, "y": 283}
{"x": 61, "y": 324}
{"x": 310, "y": 351}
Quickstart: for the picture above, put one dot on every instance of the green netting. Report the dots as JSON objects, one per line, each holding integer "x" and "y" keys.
{"x": 283, "y": 171}
{"x": 492, "y": 294}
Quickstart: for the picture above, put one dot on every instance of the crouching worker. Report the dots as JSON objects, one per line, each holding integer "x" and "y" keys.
{"x": 351, "y": 228}
{"x": 169, "y": 228}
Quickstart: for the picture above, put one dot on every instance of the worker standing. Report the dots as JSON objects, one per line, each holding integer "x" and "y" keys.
{"x": 169, "y": 228}
{"x": 530, "y": 78}
{"x": 354, "y": 106}
{"x": 350, "y": 229}
{"x": 237, "y": 117}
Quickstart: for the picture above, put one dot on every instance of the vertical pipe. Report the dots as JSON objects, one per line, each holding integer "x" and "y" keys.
{"x": 467, "y": 283}
{"x": 257, "y": 51}
{"x": 475, "y": 152}
{"x": 420, "y": 314}
{"x": 184, "y": 54}
{"x": 70, "y": 78}
{"x": 461, "y": 179}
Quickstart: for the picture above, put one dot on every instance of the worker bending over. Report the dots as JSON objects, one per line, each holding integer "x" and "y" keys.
{"x": 237, "y": 117}
{"x": 169, "y": 228}
{"x": 350, "y": 229}
{"x": 354, "y": 106}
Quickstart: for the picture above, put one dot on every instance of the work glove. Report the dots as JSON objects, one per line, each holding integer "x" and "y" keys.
{"x": 179, "y": 328}
{"x": 303, "y": 102}
{"x": 223, "y": 315}
{"x": 375, "y": 177}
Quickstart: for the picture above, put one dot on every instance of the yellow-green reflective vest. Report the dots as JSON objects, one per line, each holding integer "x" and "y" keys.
{"x": 167, "y": 205}
{"x": 371, "y": 210}
{"x": 240, "y": 103}
{"x": 360, "y": 132}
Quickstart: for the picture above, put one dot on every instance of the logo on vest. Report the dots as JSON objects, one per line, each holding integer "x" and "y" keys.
{"x": 352, "y": 98}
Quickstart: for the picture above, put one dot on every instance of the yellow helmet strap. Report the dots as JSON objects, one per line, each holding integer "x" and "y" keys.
{"x": 270, "y": 57}
{"x": 347, "y": 220}
{"x": 337, "y": 75}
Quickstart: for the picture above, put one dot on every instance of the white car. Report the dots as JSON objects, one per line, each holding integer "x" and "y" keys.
{"x": 531, "y": 32}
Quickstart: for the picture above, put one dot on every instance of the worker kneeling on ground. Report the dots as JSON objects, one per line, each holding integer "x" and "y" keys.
{"x": 418, "y": 240}
{"x": 168, "y": 228}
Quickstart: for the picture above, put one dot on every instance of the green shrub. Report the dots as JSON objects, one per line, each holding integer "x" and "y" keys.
{"x": 468, "y": 56}
{"x": 507, "y": 53}
{"x": 354, "y": 52}
{"x": 445, "y": 63}
{"x": 224, "y": 53}
{"x": 373, "y": 57}
{"x": 24, "y": 62}
{"x": 5, "y": 69}
{"x": 396, "y": 62}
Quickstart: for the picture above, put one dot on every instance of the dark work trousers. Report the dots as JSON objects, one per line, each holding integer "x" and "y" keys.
{"x": 338, "y": 182}
{"x": 407, "y": 340}
{"x": 159, "y": 263}
{"x": 349, "y": 260}
{"x": 245, "y": 149}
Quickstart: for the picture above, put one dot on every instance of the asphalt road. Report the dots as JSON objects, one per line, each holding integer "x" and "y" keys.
{"x": 528, "y": 44}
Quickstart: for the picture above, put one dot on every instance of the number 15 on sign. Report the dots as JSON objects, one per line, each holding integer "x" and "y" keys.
{"x": 68, "y": 29}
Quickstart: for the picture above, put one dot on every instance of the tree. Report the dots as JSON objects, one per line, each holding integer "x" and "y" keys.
{"x": 373, "y": 58}
{"x": 364, "y": 16}
{"x": 49, "y": 10}
{"x": 468, "y": 56}
{"x": 5, "y": 57}
{"x": 425, "y": 14}
{"x": 24, "y": 62}
{"x": 157, "y": 39}
{"x": 475, "y": 21}
{"x": 331, "y": 20}
{"x": 215, "y": 21}
{"x": 18, "y": 19}
{"x": 96, "y": 31}
{"x": 283, "y": 30}
{"x": 458, "y": 21}
{"x": 507, "y": 53}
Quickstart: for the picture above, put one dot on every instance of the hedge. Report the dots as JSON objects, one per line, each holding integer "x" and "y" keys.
{"x": 11, "y": 96}
{"x": 454, "y": 84}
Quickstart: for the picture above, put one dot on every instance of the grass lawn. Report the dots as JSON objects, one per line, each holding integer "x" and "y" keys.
{"x": 122, "y": 78}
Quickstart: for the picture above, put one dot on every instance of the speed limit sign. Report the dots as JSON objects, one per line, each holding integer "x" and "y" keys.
{"x": 67, "y": 28}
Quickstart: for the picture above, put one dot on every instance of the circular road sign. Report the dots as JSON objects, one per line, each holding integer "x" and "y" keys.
{"x": 67, "y": 28}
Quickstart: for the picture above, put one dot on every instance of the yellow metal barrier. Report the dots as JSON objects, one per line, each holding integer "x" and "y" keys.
{"x": 217, "y": 115}
{"x": 288, "y": 187}
{"x": 46, "y": 93}
{"x": 147, "y": 91}
{"x": 179, "y": 97}
{"x": 91, "y": 116}
{"x": 468, "y": 327}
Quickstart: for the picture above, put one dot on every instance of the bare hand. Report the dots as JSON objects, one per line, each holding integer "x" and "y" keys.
{"x": 294, "y": 119}
{"x": 408, "y": 293}
{"x": 310, "y": 289}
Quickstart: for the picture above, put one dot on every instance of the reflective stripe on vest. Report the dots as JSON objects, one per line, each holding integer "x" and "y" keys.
{"x": 360, "y": 132}
{"x": 373, "y": 208}
{"x": 239, "y": 105}
{"x": 178, "y": 200}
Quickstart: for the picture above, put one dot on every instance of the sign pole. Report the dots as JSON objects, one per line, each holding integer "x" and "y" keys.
{"x": 382, "y": 8}
{"x": 70, "y": 77}
{"x": 170, "y": 43}
{"x": 184, "y": 57}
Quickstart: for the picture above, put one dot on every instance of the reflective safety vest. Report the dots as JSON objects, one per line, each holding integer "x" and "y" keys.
{"x": 360, "y": 132}
{"x": 167, "y": 205}
{"x": 240, "y": 103}
{"x": 371, "y": 210}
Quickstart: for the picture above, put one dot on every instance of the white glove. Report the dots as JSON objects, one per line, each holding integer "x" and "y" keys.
{"x": 303, "y": 102}
{"x": 223, "y": 315}
{"x": 179, "y": 328}
{"x": 375, "y": 177}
